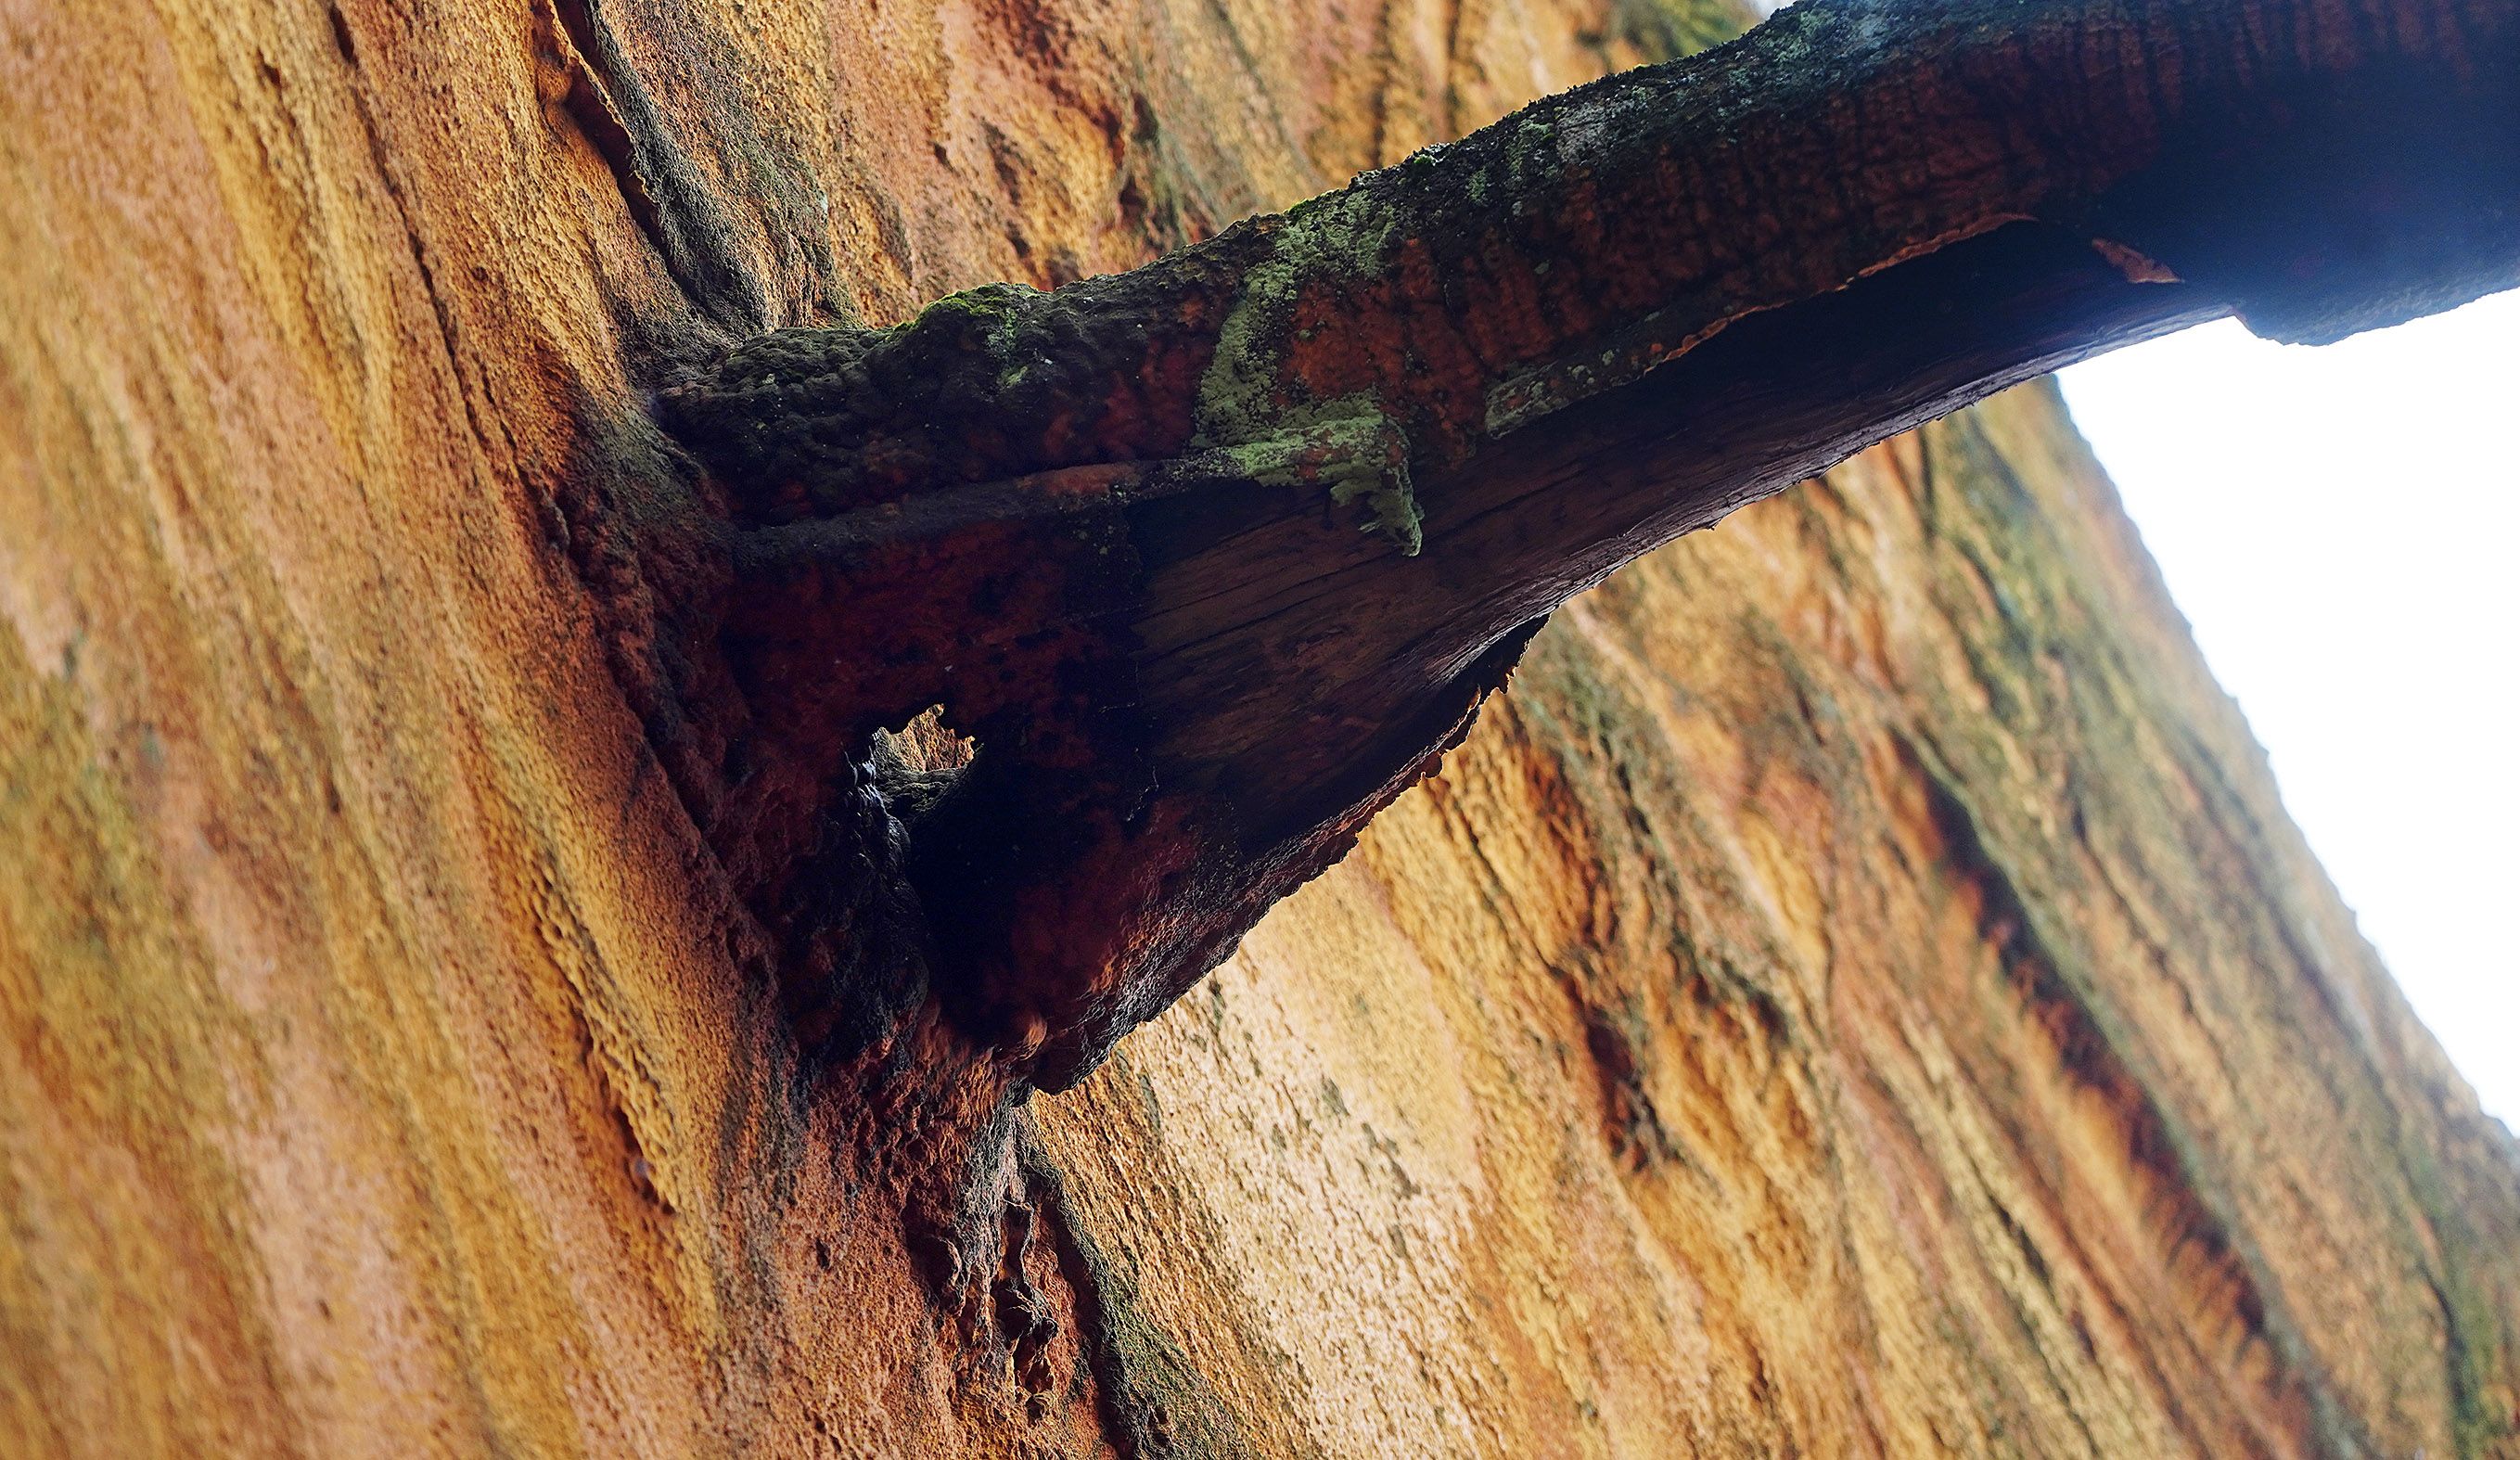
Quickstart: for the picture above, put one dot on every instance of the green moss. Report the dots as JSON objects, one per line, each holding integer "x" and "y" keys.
{"x": 983, "y": 321}
{"x": 989, "y": 305}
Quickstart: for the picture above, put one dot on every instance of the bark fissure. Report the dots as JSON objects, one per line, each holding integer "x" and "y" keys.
{"x": 1213, "y": 556}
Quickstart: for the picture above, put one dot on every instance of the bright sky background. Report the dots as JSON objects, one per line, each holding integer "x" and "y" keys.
{"x": 2341, "y": 527}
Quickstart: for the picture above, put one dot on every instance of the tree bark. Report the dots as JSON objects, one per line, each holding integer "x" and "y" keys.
{"x": 1859, "y": 992}
{"x": 1212, "y": 557}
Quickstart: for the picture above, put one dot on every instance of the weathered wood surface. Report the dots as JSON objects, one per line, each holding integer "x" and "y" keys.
{"x": 1856, "y": 992}
{"x": 1859, "y": 992}
{"x": 1154, "y": 539}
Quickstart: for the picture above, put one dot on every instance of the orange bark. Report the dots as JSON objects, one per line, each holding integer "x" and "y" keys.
{"x": 1859, "y": 994}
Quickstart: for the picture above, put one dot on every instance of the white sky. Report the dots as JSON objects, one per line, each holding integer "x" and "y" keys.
{"x": 2341, "y": 527}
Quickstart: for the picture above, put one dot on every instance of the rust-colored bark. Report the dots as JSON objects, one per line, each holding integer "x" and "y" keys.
{"x": 1212, "y": 556}
{"x": 1857, "y": 993}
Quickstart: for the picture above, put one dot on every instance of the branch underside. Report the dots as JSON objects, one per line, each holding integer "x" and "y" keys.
{"x": 1212, "y": 558}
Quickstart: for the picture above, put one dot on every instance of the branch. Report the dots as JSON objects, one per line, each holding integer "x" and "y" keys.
{"x": 1213, "y": 556}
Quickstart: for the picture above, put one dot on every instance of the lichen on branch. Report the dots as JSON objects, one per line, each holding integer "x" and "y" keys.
{"x": 1113, "y": 527}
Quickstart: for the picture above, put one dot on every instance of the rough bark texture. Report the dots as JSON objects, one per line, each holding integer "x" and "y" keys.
{"x": 1114, "y": 528}
{"x": 1858, "y": 992}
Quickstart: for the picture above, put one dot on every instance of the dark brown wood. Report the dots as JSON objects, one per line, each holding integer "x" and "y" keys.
{"x": 1213, "y": 556}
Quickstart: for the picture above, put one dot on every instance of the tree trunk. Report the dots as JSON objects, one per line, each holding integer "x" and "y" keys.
{"x": 1858, "y": 992}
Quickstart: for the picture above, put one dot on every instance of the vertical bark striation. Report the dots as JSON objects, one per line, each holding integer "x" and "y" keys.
{"x": 1858, "y": 993}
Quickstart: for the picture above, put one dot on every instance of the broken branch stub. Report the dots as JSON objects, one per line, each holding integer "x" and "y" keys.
{"x": 1214, "y": 556}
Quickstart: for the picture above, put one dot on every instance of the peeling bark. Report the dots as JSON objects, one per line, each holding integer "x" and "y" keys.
{"x": 1212, "y": 557}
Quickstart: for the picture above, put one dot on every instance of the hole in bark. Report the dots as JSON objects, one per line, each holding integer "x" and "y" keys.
{"x": 918, "y": 764}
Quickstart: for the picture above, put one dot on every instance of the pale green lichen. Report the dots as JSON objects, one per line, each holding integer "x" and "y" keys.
{"x": 1347, "y": 234}
{"x": 1242, "y": 410}
{"x": 1347, "y": 445}
{"x": 1391, "y": 506}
